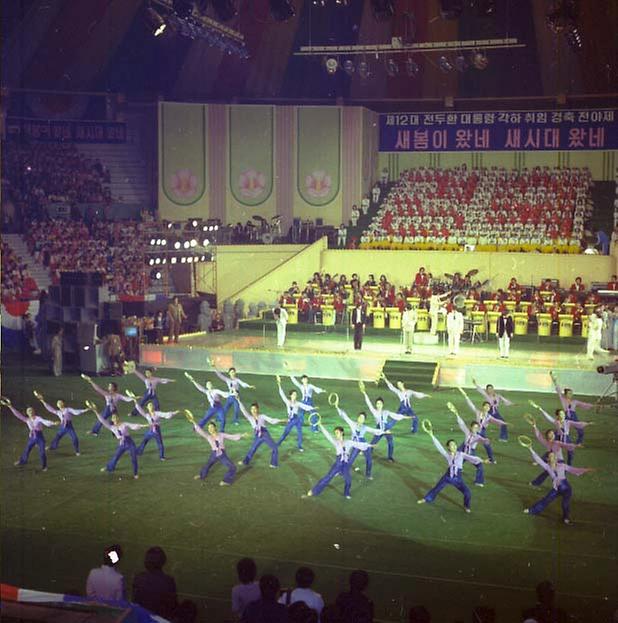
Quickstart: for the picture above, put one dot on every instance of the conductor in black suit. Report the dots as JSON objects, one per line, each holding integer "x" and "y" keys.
{"x": 359, "y": 319}
{"x": 504, "y": 329}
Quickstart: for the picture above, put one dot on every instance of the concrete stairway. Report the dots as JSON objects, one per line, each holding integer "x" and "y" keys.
{"x": 39, "y": 273}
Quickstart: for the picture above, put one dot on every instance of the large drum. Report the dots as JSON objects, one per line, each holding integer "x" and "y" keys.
{"x": 378, "y": 317}
{"x": 394, "y": 317}
{"x": 292, "y": 311}
{"x": 510, "y": 306}
{"x": 328, "y": 315}
{"x": 415, "y": 301}
{"x": 566, "y": 325}
{"x": 544, "y": 324}
{"x": 585, "y": 326}
{"x": 441, "y": 322}
{"x": 520, "y": 320}
{"x": 492, "y": 321}
{"x": 422, "y": 323}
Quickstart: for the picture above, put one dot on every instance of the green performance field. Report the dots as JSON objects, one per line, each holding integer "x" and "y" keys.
{"x": 55, "y": 524}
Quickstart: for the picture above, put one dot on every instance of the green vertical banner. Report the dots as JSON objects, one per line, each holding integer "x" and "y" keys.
{"x": 319, "y": 148}
{"x": 251, "y": 134}
{"x": 182, "y": 130}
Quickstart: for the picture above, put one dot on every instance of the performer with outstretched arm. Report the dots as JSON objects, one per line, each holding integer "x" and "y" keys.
{"x": 65, "y": 415}
{"x": 385, "y": 420}
{"x": 306, "y": 394}
{"x": 472, "y": 438}
{"x": 494, "y": 399}
{"x": 295, "y": 412}
{"x": 405, "y": 402}
{"x": 218, "y": 454}
{"x": 557, "y": 471}
{"x": 358, "y": 430}
{"x": 341, "y": 466}
{"x": 454, "y": 472}
{"x": 233, "y": 386}
{"x": 261, "y": 434}
{"x": 484, "y": 419}
{"x": 570, "y": 404}
{"x": 213, "y": 396}
{"x": 122, "y": 432}
{"x": 35, "y": 436}
{"x": 112, "y": 396}
{"x": 563, "y": 427}
{"x": 154, "y": 422}
{"x": 151, "y": 382}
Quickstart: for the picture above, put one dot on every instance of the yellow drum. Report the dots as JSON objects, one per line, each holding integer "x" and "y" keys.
{"x": 394, "y": 317}
{"x": 328, "y": 315}
{"x": 569, "y": 307}
{"x": 378, "y": 317}
{"x": 510, "y": 306}
{"x": 544, "y": 324}
{"x": 546, "y": 295}
{"x": 422, "y": 323}
{"x": 479, "y": 320}
{"x": 525, "y": 305}
{"x": 492, "y": 321}
{"x": 589, "y": 307}
{"x": 415, "y": 301}
{"x": 585, "y": 326}
{"x": 469, "y": 304}
{"x": 292, "y": 311}
{"x": 520, "y": 320}
{"x": 328, "y": 299}
{"x": 566, "y": 325}
{"x": 441, "y": 322}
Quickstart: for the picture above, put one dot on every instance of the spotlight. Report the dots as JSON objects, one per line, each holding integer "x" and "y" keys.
{"x": 225, "y": 9}
{"x": 210, "y": 228}
{"x": 164, "y": 261}
{"x": 158, "y": 275}
{"x": 392, "y": 69}
{"x": 412, "y": 67}
{"x": 157, "y": 260}
{"x": 173, "y": 260}
{"x": 202, "y": 258}
{"x": 183, "y": 260}
{"x": 331, "y": 64}
{"x": 479, "y": 60}
{"x": 205, "y": 228}
{"x": 177, "y": 244}
{"x": 151, "y": 262}
{"x": 206, "y": 242}
{"x": 319, "y": 3}
{"x": 193, "y": 242}
{"x": 382, "y": 10}
{"x": 445, "y": 65}
{"x": 186, "y": 244}
{"x": 574, "y": 38}
{"x": 282, "y": 10}
{"x": 460, "y": 62}
{"x": 155, "y": 22}
{"x": 363, "y": 70}
{"x": 158, "y": 242}
{"x": 216, "y": 227}
{"x": 194, "y": 223}
{"x": 152, "y": 241}
{"x": 170, "y": 225}
{"x": 163, "y": 241}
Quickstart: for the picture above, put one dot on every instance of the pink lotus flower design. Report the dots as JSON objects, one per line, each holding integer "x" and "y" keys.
{"x": 251, "y": 183}
{"x": 184, "y": 183}
{"x": 318, "y": 184}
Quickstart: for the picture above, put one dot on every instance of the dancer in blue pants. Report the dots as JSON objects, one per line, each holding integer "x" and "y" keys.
{"x": 563, "y": 427}
{"x": 551, "y": 444}
{"x": 385, "y": 420}
{"x": 472, "y": 438}
{"x": 341, "y": 466}
{"x": 122, "y": 432}
{"x": 557, "y": 471}
{"x": 154, "y": 425}
{"x": 150, "y": 394}
{"x": 358, "y": 430}
{"x": 218, "y": 454}
{"x": 494, "y": 399}
{"x": 261, "y": 434}
{"x": 112, "y": 396}
{"x": 65, "y": 415}
{"x": 233, "y": 386}
{"x": 570, "y": 404}
{"x": 214, "y": 400}
{"x": 484, "y": 419}
{"x": 454, "y": 472}
{"x": 405, "y": 400}
{"x": 35, "y": 436}
{"x": 295, "y": 412}
{"x": 307, "y": 390}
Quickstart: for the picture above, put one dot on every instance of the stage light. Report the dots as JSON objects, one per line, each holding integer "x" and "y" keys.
{"x": 164, "y": 261}
{"x": 225, "y": 9}
{"x": 193, "y": 242}
{"x": 151, "y": 261}
{"x": 211, "y": 228}
{"x": 183, "y": 260}
{"x": 206, "y": 242}
{"x": 170, "y": 225}
{"x": 445, "y": 65}
{"x": 574, "y": 38}
{"x": 460, "y": 62}
{"x": 216, "y": 227}
{"x": 321, "y": 3}
{"x": 159, "y": 242}
{"x": 205, "y": 228}
{"x": 202, "y": 258}
{"x": 479, "y": 60}
{"x": 412, "y": 67}
{"x": 173, "y": 260}
{"x": 382, "y": 10}
{"x": 186, "y": 244}
{"x": 363, "y": 70}
{"x": 163, "y": 241}
{"x": 155, "y": 22}
{"x": 177, "y": 245}
{"x": 157, "y": 260}
{"x": 152, "y": 241}
{"x": 331, "y": 65}
{"x": 282, "y": 10}
{"x": 158, "y": 275}
{"x": 392, "y": 69}
{"x": 194, "y": 223}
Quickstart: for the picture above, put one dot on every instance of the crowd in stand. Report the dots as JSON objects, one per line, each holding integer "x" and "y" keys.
{"x": 341, "y": 292}
{"x": 542, "y": 209}
{"x": 114, "y": 248}
{"x": 17, "y": 283}
{"x": 35, "y": 175}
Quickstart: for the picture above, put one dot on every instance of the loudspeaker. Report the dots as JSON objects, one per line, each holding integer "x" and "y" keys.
{"x": 75, "y": 278}
{"x": 112, "y": 311}
{"x": 86, "y": 334}
{"x": 91, "y": 360}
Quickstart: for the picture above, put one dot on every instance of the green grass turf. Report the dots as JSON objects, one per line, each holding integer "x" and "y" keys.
{"x": 55, "y": 524}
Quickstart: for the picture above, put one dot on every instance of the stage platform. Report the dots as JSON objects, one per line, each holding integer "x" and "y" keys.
{"x": 331, "y": 355}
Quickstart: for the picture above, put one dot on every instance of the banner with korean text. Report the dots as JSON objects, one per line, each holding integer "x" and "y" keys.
{"x": 550, "y": 130}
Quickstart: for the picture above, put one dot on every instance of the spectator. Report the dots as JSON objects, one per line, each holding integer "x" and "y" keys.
{"x": 545, "y": 611}
{"x": 56, "y": 350}
{"x": 355, "y": 215}
{"x": 365, "y": 203}
{"x": 248, "y": 590}
{"x": 603, "y": 242}
{"x": 153, "y": 589}
{"x": 354, "y": 605}
{"x": 342, "y": 234}
{"x": 419, "y": 614}
{"x": 106, "y": 583}
{"x": 216, "y": 324}
{"x": 266, "y": 609}
{"x": 303, "y": 591}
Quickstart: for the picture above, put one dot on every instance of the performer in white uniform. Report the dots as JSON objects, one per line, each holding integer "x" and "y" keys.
{"x": 408, "y": 325}
{"x": 281, "y": 318}
{"x": 595, "y": 329}
{"x": 454, "y": 327}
